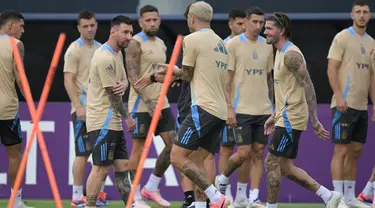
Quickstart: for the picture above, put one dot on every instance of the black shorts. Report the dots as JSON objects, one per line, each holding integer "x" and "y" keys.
{"x": 228, "y": 137}
{"x": 250, "y": 130}
{"x": 200, "y": 129}
{"x": 109, "y": 145}
{"x": 285, "y": 142}
{"x": 143, "y": 121}
{"x": 83, "y": 145}
{"x": 10, "y": 131}
{"x": 349, "y": 127}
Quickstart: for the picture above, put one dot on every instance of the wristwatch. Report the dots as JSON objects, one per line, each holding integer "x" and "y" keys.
{"x": 152, "y": 77}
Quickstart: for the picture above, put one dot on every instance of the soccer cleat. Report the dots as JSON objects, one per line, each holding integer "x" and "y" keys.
{"x": 192, "y": 205}
{"x": 355, "y": 203}
{"x": 140, "y": 204}
{"x": 186, "y": 204}
{"x": 256, "y": 204}
{"x": 23, "y": 205}
{"x": 156, "y": 197}
{"x": 78, "y": 203}
{"x": 220, "y": 186}
{"x": 365, "y": 199}
{"x": 239, "y": 203}
{"x": 102, "y": 200}
{"x": 223, "y": 203}
{"x": 335, "y": 200}
{"x": 342, "y": 204}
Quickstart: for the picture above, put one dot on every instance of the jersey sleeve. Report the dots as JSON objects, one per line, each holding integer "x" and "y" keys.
{"x": 107, "y": 72}
{"x": 232, "y": 55}
{"x": 190, "y": 51}
{"x": 270, "y": 62}
{"x": 372, "y": 61}
{"x": 71, "y": 59}
{"x": 337, "y": 49}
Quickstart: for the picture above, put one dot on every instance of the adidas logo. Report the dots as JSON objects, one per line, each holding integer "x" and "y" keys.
{"x": 221, "y": 48}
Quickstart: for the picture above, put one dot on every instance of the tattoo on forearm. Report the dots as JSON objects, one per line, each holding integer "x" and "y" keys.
{"x": 270, "y": 87}
{"x": 163, "y": 162}
{"x": 185, "y": 73}
{"x": 123, "y": 185}
{"x": 195, "y": 175}
{"x": 231, "y": 167}
{"x": 132, "y": 174}
{"x": 273, "y": 178}
{"x": 182, "y": 175}
{"x": 296, "y": 64}
{"x": 150, "y": 105}
{"x": 228, "y": 87}
{"x": 117, "y": 103}
{"x": 21, "y": 49}
{"x": 91, "y": 200}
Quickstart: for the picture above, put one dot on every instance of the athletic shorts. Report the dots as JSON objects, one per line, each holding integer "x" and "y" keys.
{"x": 143, "y": 121}
{"x": 109, "y": 145}
{"x": 349, "y": 127}
{"x": 200, "y": 129}
{"x": 250, "y": 130}
{"x": 227, "y": 136}
{"x": 10, "y": 131}
{"x": 285, "y": 142}
{"x": 83, "y": 145}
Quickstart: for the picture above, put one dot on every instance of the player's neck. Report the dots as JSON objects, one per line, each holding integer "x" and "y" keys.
{"x": 360, "y": 31}
{"x": 150, "y": 37}
{"x": 87, "y": 42}
{"x": 279, "y": 45}
{"x": 2, "y": 32}
{"x": 113, "y": 45}
{"x": 202, "y": 26}
{"x": 251, "y": 36}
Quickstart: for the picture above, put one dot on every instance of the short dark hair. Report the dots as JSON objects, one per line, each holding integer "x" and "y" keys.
{"x": 85, "y": 15}
{"x": 282, "y": 21}
{"x": 360, "y": 3}
{"x": 254, "y": 10}
{"x": 236, "y": 13}
{"x": 121, "y": 19}
{"x": 148, "y": 8}
{"x": 187, "y": 10}
{"x": 7, "y": 15}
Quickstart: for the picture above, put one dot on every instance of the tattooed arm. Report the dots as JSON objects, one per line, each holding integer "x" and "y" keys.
{"x": 133, "y": 55}
{"x": 185, "y": 73}
{"x": 296, "y": 64}
{"x": 117, "y": 103}
{"x": 21, "y": 49}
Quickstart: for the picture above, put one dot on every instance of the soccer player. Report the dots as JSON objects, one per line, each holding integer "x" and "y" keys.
{"x": 11, "y": 24}
{"x": 367, "y": 195}
{"x": 204, "y": 65}
{"x": 249, "y": 76}
{"x": 76, "y": 75}
{"x": 295, "y": 99}
{"x": 144, "y": 52}
{"x": 237, "y": 26}
{"x": 105, "y": 108}
{"x": 349, "y": 73}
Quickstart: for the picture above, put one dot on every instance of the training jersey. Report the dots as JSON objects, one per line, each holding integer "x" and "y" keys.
{"x": 205, "y": 51}
{"x": 152, "y": 53}
{"x": 353, "y": 51}
{"x": 8, "y": 93}
{"x": 77, "y": 61}
{"x": 227, "y": 39}
{"x": 291, "y": 109}
{"x": 251, "y": 62}
{"x": 106, "y": 69}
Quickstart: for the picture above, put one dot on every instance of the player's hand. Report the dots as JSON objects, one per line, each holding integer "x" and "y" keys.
{"x": 232, "y": 121}
{"x": 320, "y": 130}
{"x": 130, "y": 123}
{"x": 163, "y": 68}
{"x": 119, "y": 88}
{"x": 143, "y": 82}
{"x": 341, "y": 104}
{"x": 269, "y": 125}
{"x": 81, "y": 113}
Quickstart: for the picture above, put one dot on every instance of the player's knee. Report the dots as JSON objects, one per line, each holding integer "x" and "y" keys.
{"x": 100, "y": 172}
{"x": 175, "y": 156}
{"x": 355, "y": 151}
{"x": 257, "y": 154}
{"x": 272, "y": 162}
{"x": 123, "y": 184}
{"x": 226, "y": 151}
{"x": 244, "y": 153}
{"x": 341, "y": 150}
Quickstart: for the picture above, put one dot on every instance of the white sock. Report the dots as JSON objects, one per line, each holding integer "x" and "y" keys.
{"x": 338, "y": 186}
{"x": 223, "y": 179}
{"x": 153, "y": 183}
{"x": 18, "y": 200}
{"x": 102, "y": 188}
{"x": 228, "y": 191}
{"x": 271, "y": 205}
{"x": 253, "y": 195}
{"x": 213, "y": 194}
{"x": 324, "y": 193}
{"x": 349, "y": 188}
{"x": 137, "y": 195}
{"x": 373, "y": 186}
{"x": 241, "y": 191}
{"x": 200, "y": 204}
{"x": 77, "y": 192}
{"x": 368, "y": 191}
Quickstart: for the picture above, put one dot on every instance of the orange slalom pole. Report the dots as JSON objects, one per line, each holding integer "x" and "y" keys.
{"x": 36, "y": 116}
{"x": 155, "y": 119}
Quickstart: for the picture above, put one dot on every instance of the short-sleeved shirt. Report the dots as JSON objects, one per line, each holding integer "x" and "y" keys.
{"x": 106, "y": 69}
{"x": 8, "y": 93}
{"x": 227, "y": 39}
{"x": 291, "y": 110}
{"x": 251, "y": 61}
{"x": 353, "y": 51}
{"x": 152, "y": 53}
{"x": 205, "y": 51}
{"x": 77, "y": 61}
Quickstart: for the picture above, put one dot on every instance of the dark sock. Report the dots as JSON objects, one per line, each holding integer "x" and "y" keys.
{"x": 189, "y": 197}
{"x": 208, "y": 202}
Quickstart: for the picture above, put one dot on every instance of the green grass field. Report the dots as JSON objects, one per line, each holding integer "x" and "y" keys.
{"x": 119, "y": 204}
